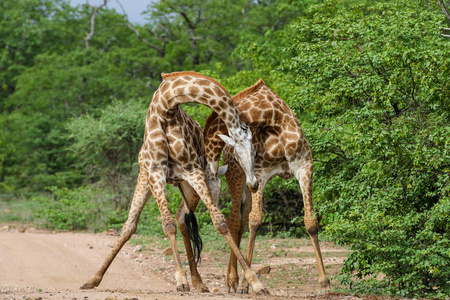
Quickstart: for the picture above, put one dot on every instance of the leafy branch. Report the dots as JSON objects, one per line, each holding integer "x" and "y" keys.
{"x": 161, "y": 50}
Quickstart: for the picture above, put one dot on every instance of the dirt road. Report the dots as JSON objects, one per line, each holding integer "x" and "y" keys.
{"x": 55, "y": 265}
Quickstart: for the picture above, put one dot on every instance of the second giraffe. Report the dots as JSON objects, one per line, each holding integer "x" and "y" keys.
{"x": 282, "y": 151}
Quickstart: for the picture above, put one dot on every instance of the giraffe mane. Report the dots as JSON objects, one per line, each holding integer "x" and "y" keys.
{"x": 248, "y": 91}
{"x": 165, "y": 76}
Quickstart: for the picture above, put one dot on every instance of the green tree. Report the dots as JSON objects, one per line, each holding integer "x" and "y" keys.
{"x": 60, "y": 83}
{"x": 29, "y": 28}
{"x": 107, "y": 147}
{"x": 374, "y": 91}
{"x": 198, "y": 34}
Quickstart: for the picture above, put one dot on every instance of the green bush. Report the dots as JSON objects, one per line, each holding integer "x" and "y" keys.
{"x": 106, "y": 147}
{"x": 92, "y": 208}
{"x": 69, "y": 209}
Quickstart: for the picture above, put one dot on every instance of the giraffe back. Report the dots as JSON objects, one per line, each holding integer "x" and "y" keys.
{"x": 276, "y": 131}
{"x": 261, "y": 106}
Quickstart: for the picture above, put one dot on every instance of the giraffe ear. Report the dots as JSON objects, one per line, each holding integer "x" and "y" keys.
{"x": 227, "y": 140}
{"x": 222, "y": 170}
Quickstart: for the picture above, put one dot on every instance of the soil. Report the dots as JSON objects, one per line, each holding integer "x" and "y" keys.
{"x": 48, "y": 265}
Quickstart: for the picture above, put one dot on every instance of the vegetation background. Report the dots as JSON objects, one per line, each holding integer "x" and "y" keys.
{"x": 368, "y": 80}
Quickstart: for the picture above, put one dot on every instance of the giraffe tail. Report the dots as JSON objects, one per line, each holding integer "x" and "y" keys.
{"x": 194, "y": 234}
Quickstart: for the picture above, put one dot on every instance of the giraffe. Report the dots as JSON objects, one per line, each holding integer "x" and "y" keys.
{"x": 282, "y": 151}
{"x": 170, "y": 155}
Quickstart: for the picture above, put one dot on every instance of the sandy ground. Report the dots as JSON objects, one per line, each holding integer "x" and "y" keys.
{"x": 37, "y": 265}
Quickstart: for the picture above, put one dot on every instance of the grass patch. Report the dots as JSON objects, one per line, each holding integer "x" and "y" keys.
{"x": 17, "y": 210}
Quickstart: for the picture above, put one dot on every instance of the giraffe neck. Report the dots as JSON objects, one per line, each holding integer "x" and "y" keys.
{"x": 213, "y": 145}
{"x": 184, "y": 87}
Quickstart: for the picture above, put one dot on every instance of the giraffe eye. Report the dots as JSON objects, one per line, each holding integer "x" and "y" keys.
{"x": 256, "y": 154}
{"x": 234, "y": 157}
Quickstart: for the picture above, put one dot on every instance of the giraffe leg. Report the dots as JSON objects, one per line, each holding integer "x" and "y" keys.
{"x": 170, "y": 230}
{"x": 236, "y": 186}
{"x": 245, "y": 208}
{"x": 198, "y": 182}
{"x": 303, "y": 171}
{"x": 141, "y": 195}
{"x": 254, "y": 223}
{"x": 190, "y": 201}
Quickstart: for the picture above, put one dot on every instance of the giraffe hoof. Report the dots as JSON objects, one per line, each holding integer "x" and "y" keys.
{"x": 231, "y": 289}
{"x": 183, "y": 288}
{"x": 325, "y": 283}
{"x": 232, "y": 286}
{"x": 263, "y": 292}
{"x": 87, "y": 286}
{"x": 243, "y": 287}
{"x": 198, "y": 284}
{"x": 202, "y": 288}
{"x": 242, "y": 290}
{"x": 92, "y": 283}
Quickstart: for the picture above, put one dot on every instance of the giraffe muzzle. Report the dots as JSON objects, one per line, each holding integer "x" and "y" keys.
{"x": 253, "y": 187}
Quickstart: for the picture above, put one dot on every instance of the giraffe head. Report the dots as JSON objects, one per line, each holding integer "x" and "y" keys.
{"x": 244, "y": 154}
{"x": 214, "y": 182}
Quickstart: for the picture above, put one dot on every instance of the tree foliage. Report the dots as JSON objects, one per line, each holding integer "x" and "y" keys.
{"x": 107, "y": 147}
{"x": 375, "y": 90}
